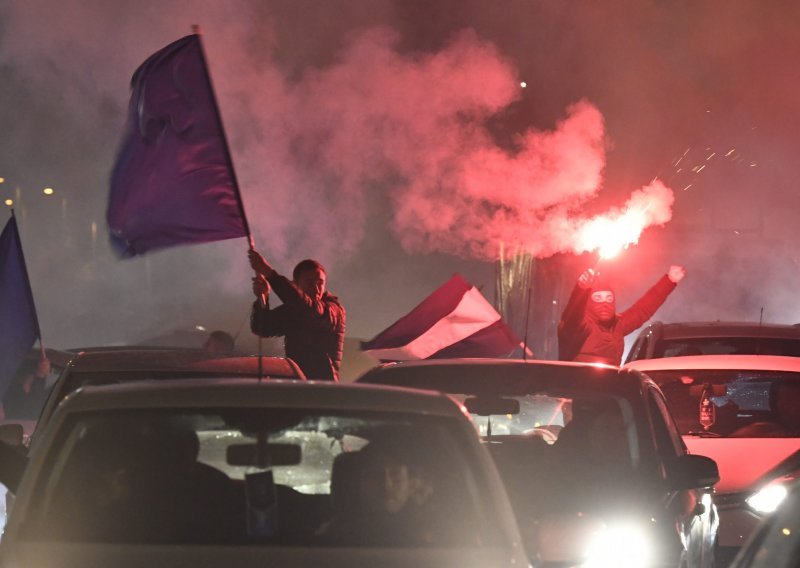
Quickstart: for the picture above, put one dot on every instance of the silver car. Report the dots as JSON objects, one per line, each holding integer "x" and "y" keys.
{"x": 241, "y": 472}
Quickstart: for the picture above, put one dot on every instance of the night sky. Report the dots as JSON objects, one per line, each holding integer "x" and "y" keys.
{"x": 394, "y": 142}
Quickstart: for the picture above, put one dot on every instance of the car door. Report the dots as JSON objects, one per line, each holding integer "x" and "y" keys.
{"x": 691, "y": 509}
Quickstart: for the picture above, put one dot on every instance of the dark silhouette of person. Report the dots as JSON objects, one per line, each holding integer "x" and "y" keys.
{"x": 219, "y": 342}
{"x": 27, "y": 392}
{"x": 311, "y": 319}
{"x": 592, "y": 331}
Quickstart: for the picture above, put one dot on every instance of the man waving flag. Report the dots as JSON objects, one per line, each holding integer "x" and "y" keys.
{"x": 19, "y": 326}
{"x": 173, "y": 182}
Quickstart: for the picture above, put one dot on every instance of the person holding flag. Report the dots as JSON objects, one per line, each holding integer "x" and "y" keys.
{"x": 592, "y": 331}
{"x": 311, "y": 319}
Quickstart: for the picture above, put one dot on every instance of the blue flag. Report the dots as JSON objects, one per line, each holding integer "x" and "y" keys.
{"x": 173, "y": 182}
{"x": 19, "y": 326}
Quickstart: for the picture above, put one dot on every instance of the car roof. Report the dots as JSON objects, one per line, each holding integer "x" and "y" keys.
{"x": 196, "y": 360}
{"x": 700, "y": 329}
{"x": 477, "y": 376}
{"x": 711, "y": 362}
{"x": 242, "y": 392}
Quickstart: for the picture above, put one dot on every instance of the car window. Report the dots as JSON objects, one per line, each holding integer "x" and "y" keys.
{"x": 735, "y": 403}
{"x": 668, "y": 438}
{"x": 250, "y": 476}
{"x": 727, "y": 346}
{"x": 560, "y": 450}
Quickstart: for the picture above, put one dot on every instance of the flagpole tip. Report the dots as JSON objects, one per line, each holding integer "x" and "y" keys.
{"x": 196, "y": 29}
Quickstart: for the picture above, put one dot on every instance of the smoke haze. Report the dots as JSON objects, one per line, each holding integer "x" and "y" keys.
{"x": 393, "y": 141}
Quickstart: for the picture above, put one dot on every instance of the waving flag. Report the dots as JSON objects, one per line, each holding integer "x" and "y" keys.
{"x": 454, "y": 321}
{"x": 19, "y": 326}
{"x": 173, "y": 182}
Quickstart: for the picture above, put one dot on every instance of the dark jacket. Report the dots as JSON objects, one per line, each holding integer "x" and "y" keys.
{"x": 581, "y": 337}
{"x": 313, "y": 330}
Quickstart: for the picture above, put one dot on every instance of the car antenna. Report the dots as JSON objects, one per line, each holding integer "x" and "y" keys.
{"x": 758, "y": 337}
{"x": 260, "y": 362}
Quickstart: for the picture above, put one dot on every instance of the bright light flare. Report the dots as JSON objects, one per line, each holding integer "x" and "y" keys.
{"x": 609, "y": 235}
{"x": 768, "y": 499}
{"x": 9, "y": 202}
{"x": 48, "y": 191}
{"x": 623, "y": 545}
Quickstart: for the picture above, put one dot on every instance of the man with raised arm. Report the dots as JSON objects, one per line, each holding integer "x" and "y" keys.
{"x": 311, "y": 320}
{"x": 592, "y": 331}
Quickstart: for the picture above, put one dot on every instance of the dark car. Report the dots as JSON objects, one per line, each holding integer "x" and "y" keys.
{"x": 115, "y": 365}
{"x": 660, "y": 339}
{"x": 241, "y": 472}
{"x": 591, "y": 458}
{"x": 776, "y": 542}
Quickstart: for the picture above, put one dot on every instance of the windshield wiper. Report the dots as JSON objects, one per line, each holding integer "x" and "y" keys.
{"x": 703, "y": 434}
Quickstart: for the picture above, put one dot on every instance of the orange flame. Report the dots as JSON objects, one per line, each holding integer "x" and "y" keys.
{"x": 616, "y": 230}
{"x": 610, "y": 234}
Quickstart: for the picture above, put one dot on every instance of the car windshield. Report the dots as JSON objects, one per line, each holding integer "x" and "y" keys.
{"x": 261, "y": 477}
{"x": 560, "y": 451}
{"x": 680, "y": 347}
{"x": 733, "y": 403}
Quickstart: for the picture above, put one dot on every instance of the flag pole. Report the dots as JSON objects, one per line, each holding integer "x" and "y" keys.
{"x": 196, "y": 31}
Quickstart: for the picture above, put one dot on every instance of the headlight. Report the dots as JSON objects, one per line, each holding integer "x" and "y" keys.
{"x": 769, "y": 498}
{"x": 619, "y": 545}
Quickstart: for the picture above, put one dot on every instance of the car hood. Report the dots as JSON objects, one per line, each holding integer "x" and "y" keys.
{"x": 742, "y": 461}
{"x": 84, "y": 555}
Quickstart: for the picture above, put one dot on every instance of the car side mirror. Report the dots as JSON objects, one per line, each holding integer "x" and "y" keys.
{"x": 691, "y": 471}
{"x": 11, "y": 434}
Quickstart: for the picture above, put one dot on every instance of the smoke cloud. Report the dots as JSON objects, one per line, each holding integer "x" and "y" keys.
{"x": 392, "y": 140}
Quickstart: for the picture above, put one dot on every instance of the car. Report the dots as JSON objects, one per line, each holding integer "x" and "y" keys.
{"x": 742, "y": 411}
{"x": 239, "y": 472}
{"x": 113, "y": 365}
{"x": 118, "y": 364}
{"x": 660, "y": 339}
{"x": 776, "y": 541}
{"x": 594, "y": 466}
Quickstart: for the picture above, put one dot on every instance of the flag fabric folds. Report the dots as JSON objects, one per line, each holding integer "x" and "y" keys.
{"x": 454, "y": 321}
{"x": 173, "y": 182}
{"x": 19, "y": 326}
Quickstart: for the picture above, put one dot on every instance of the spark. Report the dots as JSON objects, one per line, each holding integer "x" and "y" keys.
{"x": 687, "y": 187}
{"x": 731, "y": 151}
{"x": 711, "y": 156}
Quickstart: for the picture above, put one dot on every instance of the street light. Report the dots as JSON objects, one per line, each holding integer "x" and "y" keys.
{"x": 48, "y": 191}
{"x": 9, "y": 202}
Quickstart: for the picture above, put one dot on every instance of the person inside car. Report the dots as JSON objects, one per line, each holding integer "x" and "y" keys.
{"x": 382, "y": 499}
{"x": 592, "y": 331}
{"x": 784, "y": 422}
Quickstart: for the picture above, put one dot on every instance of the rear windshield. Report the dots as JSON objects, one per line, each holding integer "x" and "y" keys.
{"x": 731, "y": 403}
{"x": 263, "y": 477}
{"x": 788, "y": 347}
{"x": 560, "y": 451}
